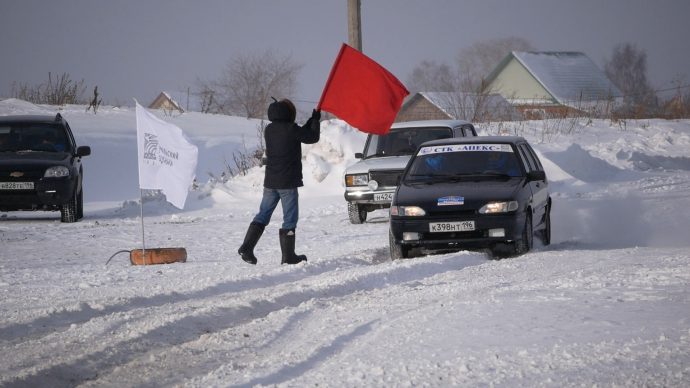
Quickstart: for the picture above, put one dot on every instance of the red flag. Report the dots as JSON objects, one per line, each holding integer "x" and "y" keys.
{"x": 362, "y": 92}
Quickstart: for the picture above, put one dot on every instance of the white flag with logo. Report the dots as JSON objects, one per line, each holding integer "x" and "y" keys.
{"x": 167, "y": 160}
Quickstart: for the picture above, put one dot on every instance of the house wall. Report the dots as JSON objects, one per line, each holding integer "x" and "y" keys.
{"x": 515, "y": 82}
{"x": 541, "y": 112}
{"x": 420, "y": 109}
{"x": 165, "y": 104}
{"x": 162, "y": 102}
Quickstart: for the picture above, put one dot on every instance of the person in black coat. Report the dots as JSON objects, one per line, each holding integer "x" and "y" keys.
{"x": 283, "y": 176}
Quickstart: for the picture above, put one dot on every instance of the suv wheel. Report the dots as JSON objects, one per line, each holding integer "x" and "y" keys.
{"x": 80, "y": 205}
{"x": 68, "y": 211}
{"x": 356, "y": 213}
{"x": 398, "y": 251}
{"x": 546, "y": 234}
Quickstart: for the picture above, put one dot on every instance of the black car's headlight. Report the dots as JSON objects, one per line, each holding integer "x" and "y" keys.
{"x": 56, "y": 172}
{"x": 356, "y": 180}
{"x": 407, "y": 211}
{"x": 499, "y": 207}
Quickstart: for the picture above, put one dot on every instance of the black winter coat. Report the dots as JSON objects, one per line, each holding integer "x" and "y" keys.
{"x": 283, "y": 147}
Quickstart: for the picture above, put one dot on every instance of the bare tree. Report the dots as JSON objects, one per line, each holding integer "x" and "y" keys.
{"x": 627, "y": 69}
{"x": 429, "y": 76}
{"x": 207, "y": 97}
{"x": 463, "y": 84}
{"x": 247, "y": 83}
{"x": 63, "y": 90}
{"x": 60, "y": 90}
{"x": 476, "y": 62}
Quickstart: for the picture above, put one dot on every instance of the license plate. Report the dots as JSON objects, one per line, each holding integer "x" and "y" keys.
{"x": 462, "y": 226}
{"x": 16, "y": 185}
{"x": 383, "y": 197}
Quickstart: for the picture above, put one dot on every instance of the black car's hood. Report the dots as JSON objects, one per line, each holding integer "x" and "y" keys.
{"x": 457, "y": 196}
{"x": 32, "y": 159}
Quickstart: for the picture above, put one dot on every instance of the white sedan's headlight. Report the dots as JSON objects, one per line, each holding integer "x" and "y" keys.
{"x": 499, "y": 207}
{"x": 356, "y": 180}
{"x": 408, "y": 211}
{"x": 56, "y": 172}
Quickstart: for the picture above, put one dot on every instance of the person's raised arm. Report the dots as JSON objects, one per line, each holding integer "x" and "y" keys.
{"x": 310, "y": 132}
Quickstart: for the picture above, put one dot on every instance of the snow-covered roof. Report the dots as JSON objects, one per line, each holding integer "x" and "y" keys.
{"x": 463, "y": 104}
{"x": 158, "y": 101}
{"x": 443, "y": 99}
{"x": 568, "y": 76}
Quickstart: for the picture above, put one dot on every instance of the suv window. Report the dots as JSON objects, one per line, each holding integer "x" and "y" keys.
{"x": 404, "y": 141}
{"x": 34, "y": 137}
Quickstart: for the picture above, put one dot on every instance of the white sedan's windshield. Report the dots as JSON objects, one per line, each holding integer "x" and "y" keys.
{"x": 403, "y": 141}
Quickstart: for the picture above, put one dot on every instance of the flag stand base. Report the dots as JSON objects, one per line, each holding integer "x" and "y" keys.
{"x": 157, "y": 256}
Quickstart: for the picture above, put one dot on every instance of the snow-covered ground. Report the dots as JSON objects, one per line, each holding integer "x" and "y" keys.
{"x": 607, "y": 304}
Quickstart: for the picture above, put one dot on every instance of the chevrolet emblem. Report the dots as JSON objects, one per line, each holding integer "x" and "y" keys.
{"x": 16, "y": 174}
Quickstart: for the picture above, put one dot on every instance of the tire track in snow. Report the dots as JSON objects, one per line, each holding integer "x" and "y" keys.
{"x": 193, "y": 323}
{"x": 62, "y": 320}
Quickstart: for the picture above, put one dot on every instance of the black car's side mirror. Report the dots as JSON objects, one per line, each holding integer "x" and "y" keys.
{"x": 359, "y": 155}
{"x": 536, "y": 176}
{"x": 83, "y": 151}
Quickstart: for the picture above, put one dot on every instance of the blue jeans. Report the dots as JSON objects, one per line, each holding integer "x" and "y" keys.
{"x": 289, "y": 201}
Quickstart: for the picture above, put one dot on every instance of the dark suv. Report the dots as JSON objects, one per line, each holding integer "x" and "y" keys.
{"x": 40, "y": 166}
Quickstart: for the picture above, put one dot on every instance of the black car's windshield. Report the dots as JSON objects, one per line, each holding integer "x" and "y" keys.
{"x": 403, "y": 141}
{"x": 449, "y": 162}
{"x": 33, "y": 137}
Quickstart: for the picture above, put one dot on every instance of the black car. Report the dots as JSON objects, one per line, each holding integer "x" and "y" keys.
{"x": 471, "y": 193}
{"x": 40, "y": 166}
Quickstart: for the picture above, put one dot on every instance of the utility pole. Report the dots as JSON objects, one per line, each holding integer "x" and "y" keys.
{"x": 354, "y": 23}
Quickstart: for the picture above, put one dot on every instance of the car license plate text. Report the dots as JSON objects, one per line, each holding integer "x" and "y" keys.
{"x": 462, "y": 226}
{"x": 16, "y": 185}
{"x": 383, "y": 197}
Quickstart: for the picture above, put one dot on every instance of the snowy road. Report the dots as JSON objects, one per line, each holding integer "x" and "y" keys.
{"x": 562, "y": 315}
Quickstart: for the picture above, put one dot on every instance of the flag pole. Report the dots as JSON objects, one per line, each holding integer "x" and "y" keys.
{"x": 143, "y": 238}
{"x": 149, "y": 129}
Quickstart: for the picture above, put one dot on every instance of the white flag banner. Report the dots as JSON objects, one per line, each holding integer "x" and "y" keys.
{"x": 167, "y": 160}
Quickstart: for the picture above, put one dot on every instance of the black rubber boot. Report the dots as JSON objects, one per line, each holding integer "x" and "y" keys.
{"x": 246, "y": 250}
{"x": 287, "y": 247}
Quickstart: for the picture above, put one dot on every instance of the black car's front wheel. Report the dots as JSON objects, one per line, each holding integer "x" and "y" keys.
{"x": 398, "y": 251}
{"x": 520, "y": 246}
{"x": 524, "y": 244}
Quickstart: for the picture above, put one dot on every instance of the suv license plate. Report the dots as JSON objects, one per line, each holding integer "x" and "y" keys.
{"x": 16, "y": 185}
{"x": 462, "y": 226}
{"x": 383, "y": 197}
